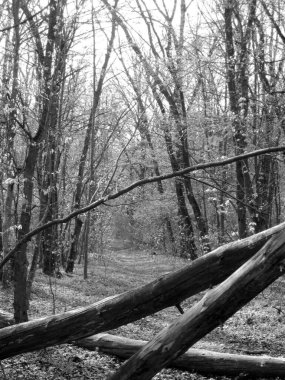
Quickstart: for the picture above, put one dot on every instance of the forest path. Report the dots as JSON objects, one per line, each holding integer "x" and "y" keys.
{"x": 137, "y": 267}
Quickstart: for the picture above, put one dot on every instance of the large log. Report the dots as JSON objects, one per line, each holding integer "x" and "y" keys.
{"x": 197, "y": 360}
{"x": 215, "y": 308}
{"x": 111, "y": 313}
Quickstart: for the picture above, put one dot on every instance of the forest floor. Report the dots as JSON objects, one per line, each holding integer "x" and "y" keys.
{"x": 258, "y": 328}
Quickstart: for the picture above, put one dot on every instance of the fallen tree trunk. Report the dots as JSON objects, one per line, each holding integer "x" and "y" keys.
{"x": 215, "y": 308}
{"x": 196, "y": 360}
{"x": 116, "y": 311}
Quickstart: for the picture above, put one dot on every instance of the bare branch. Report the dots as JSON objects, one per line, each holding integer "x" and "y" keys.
{"x": 133, "y": 186}
{"x": 276, "y": 26}
{"x": 22, "y": 22}
{"x": 35, "y": 31}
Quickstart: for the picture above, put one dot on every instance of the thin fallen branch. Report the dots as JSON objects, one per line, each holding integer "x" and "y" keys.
{"x": 134, "y": 185}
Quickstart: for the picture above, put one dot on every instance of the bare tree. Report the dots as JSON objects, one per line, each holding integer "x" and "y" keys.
{"x": 90, "y": 132}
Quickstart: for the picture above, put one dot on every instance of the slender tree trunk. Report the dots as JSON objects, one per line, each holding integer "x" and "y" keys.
{"x": 20, "y": 259}
{"x": 86, "y": 246}
{"x": 90, "y": 126}
{"x": 1, "y": 230}
{"x": 48, "y": 197}
{"x": 49, "y": 194}
{"x": 187, "y": 244}
{"x": 11, "y": 63}
{"x": 178, "y": 111}
{"x": 8, "y": 231}
{"x": 34, "y": 264}
{"x": 72, "y": 255}
{"x": 233, "y": 97}
{"x": 221, "y": 231}
{"x": 143, "y": 128}
{"x": 238, "y": 86}
{"x": 21, "y": 304}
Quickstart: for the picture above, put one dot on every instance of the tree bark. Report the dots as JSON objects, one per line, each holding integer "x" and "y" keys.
{"x": 215, "y": 308}
{"x": 12, "y": 59}
{"x": 73, "y": 247}
{"x": 116, "y": 311}
{"x": 21, "y": 302}
{"x": 8, "y": 232}
{"x": 57, "y": 49}
{"x": 197, "y": 360}
{"x": 1, "y": 230}
{"x": 33, "y": 266}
